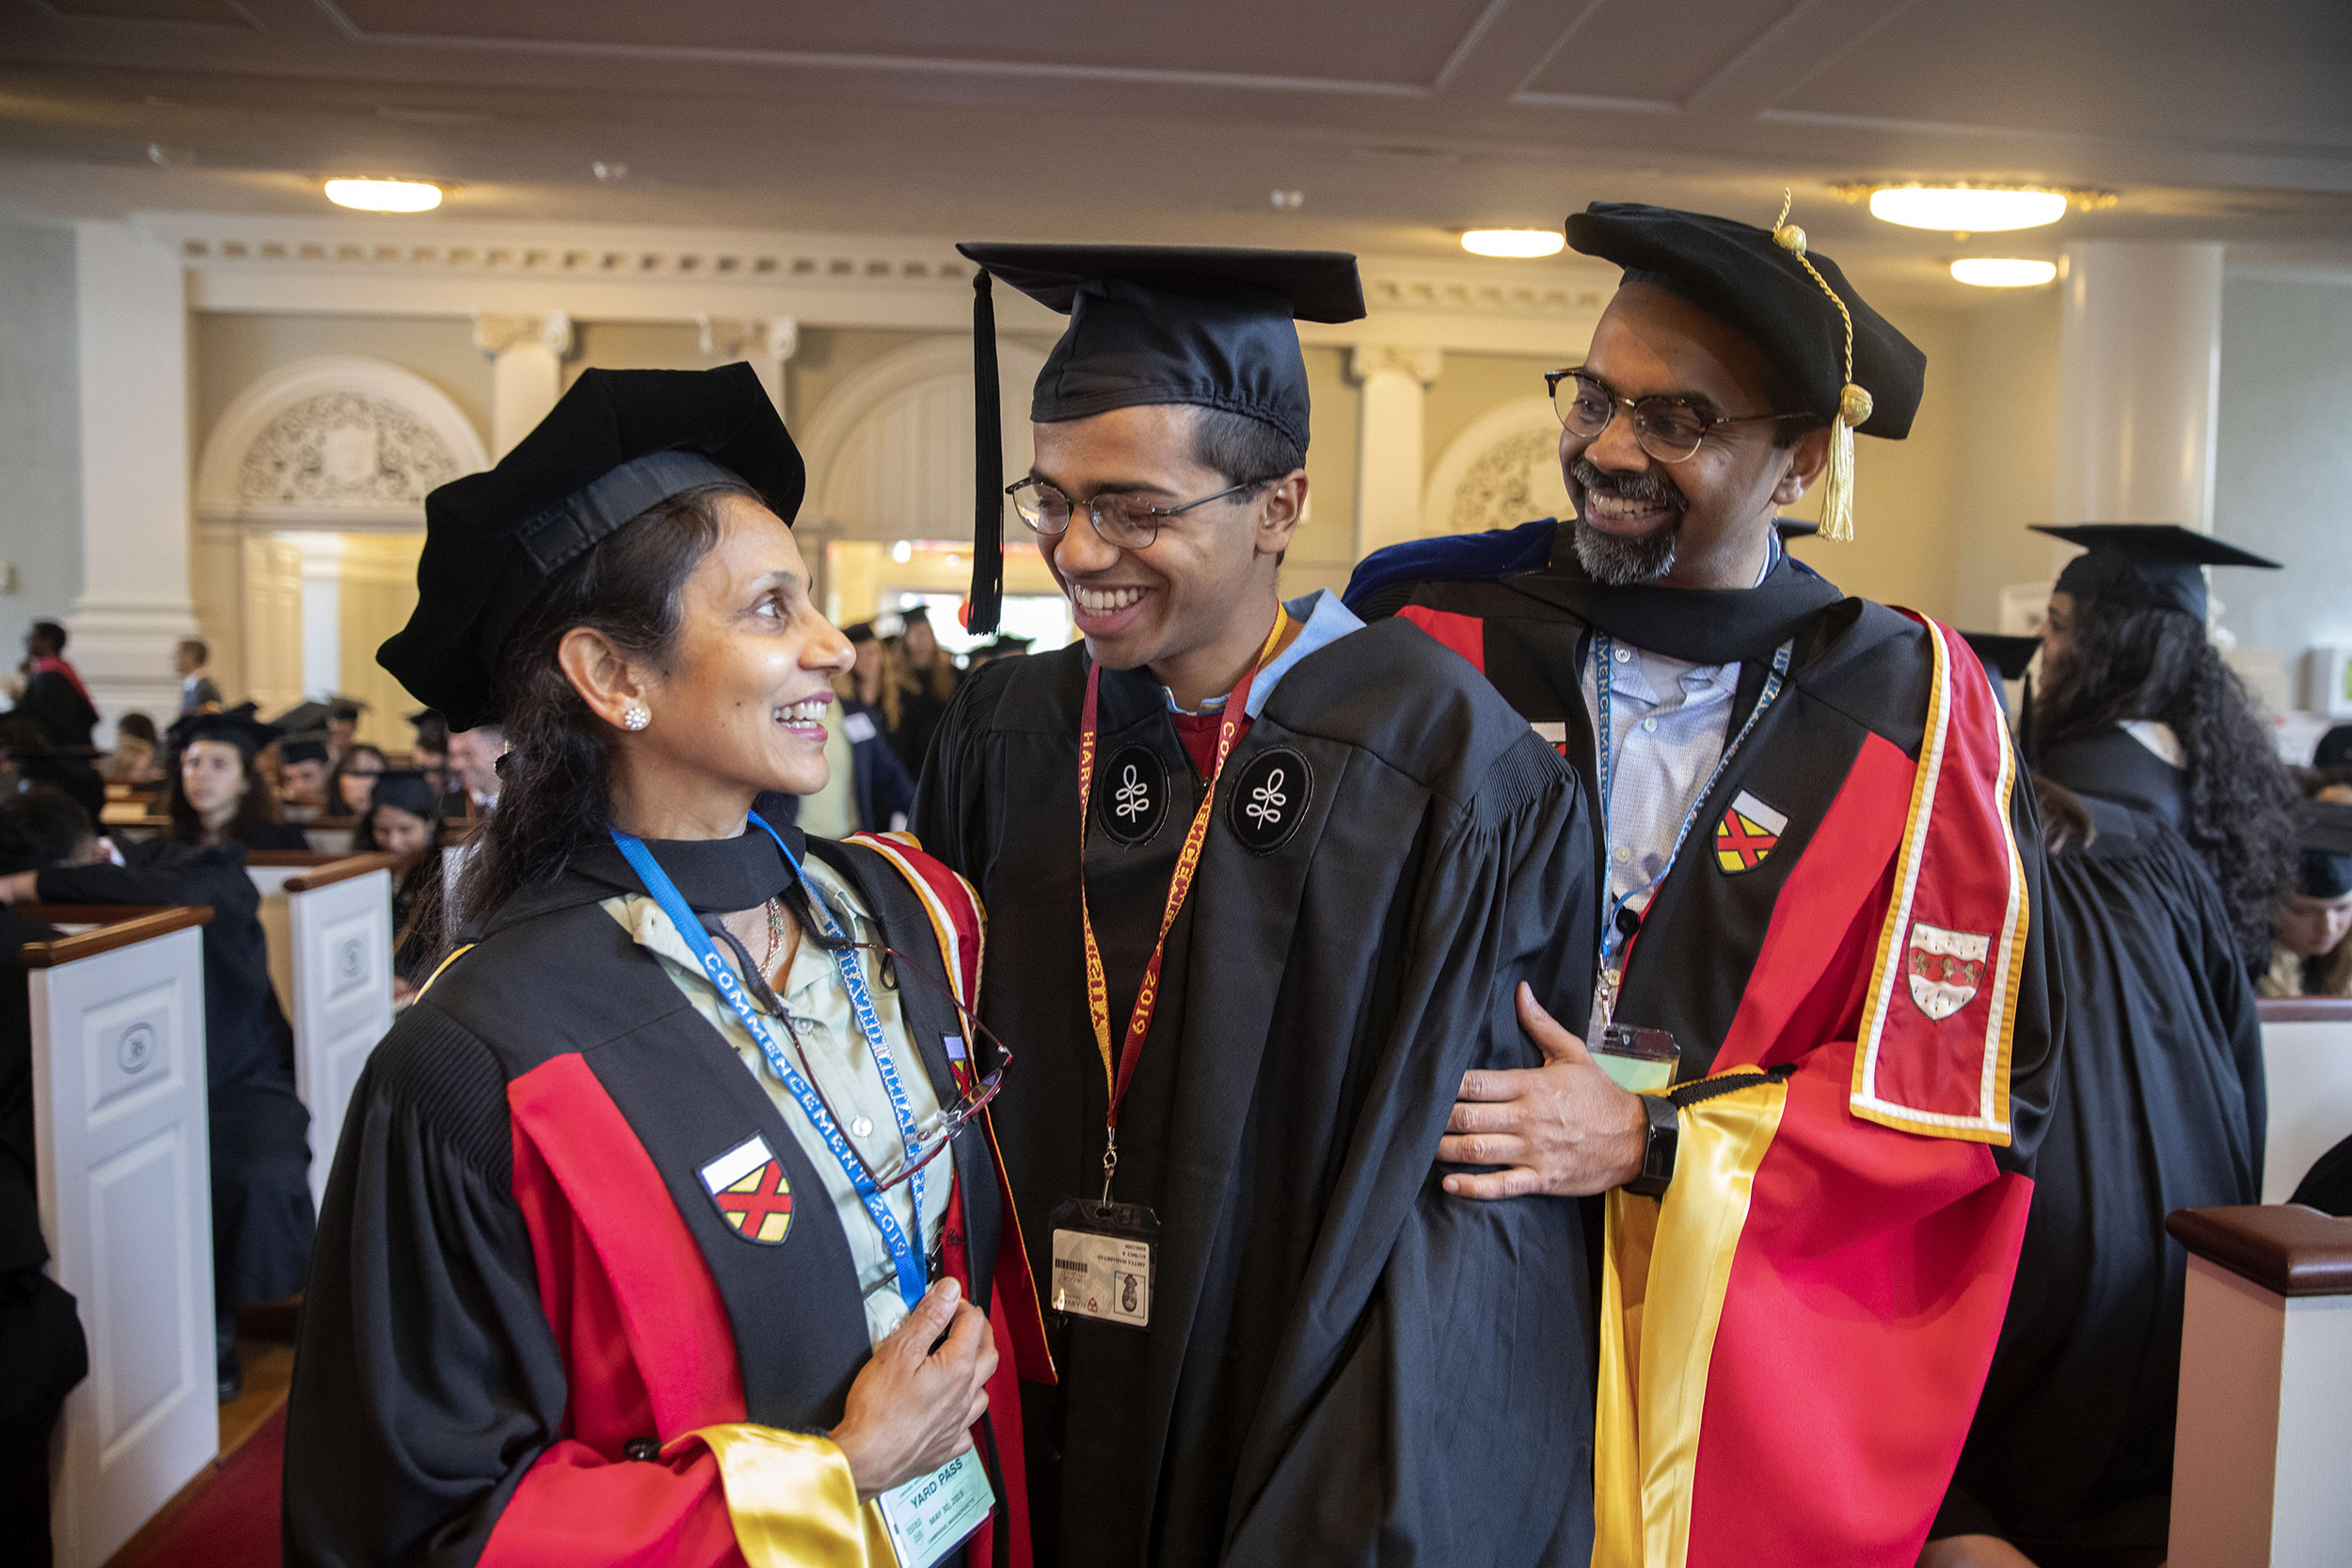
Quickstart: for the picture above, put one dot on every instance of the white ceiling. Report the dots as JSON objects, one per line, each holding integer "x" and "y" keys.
{"x": 1401, "y": 121}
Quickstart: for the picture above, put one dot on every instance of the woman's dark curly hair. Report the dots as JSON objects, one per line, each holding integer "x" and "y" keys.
{"x": 553, "y": 781}
{"x": 2126, "y": 661}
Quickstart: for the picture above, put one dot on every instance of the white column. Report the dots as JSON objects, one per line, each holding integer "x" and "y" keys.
{"x": 322, "y": 613}
{"x": 526, "y": 372}
{"x": 2140, "y": 365}
{"x": 132, "y": 331}
{"x": 1389, "y": 440}
{"x": 768, "y": 345}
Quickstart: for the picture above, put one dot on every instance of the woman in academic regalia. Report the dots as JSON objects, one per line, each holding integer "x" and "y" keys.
{"x": 2136, "y": 708}
{"x": 635, "y": 1248}
{"x": 218, "y": 795}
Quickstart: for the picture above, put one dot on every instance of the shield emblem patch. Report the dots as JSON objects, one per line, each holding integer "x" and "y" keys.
{"x": 1944, "y": 967}
{"x": 1747, "y": 834}
{"x": 748, "y": 1185}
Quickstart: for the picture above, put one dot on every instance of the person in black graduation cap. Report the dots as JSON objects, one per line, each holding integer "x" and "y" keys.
{"x": 2137, "y": 707}
{"x": 1822, "y": 881}
{"x": 217, "y": 794}
{"x": 2312, "y": 956}
{"x": 404, "y": 818}
{"x": 649, "y": 1212}
{"x": 1253, "y": 950}
{"x": 258, "y": 1130}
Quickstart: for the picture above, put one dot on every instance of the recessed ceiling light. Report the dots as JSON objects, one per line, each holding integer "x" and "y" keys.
{"x": 1967, "y": 209}
{"x": 383, "y": 195}
{"x": 2003, "y": 272}
{"x": 1514, "y": 242}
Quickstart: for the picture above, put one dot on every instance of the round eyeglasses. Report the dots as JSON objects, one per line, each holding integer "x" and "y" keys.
{"x": 1669, "y": 428}
{"x": 1122, "y": 521}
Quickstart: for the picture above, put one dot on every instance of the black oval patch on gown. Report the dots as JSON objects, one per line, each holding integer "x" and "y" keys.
{"x": 1131, "y": 796}
{"x": 1270, "y": 800}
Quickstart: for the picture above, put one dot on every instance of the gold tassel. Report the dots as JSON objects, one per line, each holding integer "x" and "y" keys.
{"x": 1853, "y": 403}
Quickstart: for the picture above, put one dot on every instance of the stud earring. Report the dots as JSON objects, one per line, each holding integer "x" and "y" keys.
{"x": 635, "y": 717}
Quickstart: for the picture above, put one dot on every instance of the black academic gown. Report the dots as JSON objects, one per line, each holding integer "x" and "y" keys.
{"x": 42, "y": 1353}
{"x": 1343, "y": 1364}
{"x": 2109, "y": 765}
{"x": 473, "y": 1383}
{"x": 2159, "y": 1106}
{"x": 259, "y": 1129}
{"x": 52, "y": 701}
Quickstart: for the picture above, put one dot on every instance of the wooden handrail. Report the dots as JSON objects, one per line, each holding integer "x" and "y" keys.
{"x": 119, "y": 925}
{"x": 2286, "y": 1249}
{"x": 341, "y": 870}
{"x": 2305, "y": 1009}
{"x": 283, "y": 858}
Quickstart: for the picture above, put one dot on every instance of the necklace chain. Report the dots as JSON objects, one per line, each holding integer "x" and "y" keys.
{"x": 775, "y": 937}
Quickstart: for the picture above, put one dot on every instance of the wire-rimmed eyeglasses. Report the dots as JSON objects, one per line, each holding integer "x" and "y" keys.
{"x": 978, "y": 1075}
{"x": 1123, "y": 521}
{"x": 1669, "y": 428}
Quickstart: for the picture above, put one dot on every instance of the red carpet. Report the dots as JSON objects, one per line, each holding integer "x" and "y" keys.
{"x": 231, "y": 1522}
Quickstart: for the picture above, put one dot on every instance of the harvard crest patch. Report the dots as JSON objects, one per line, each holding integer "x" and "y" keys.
{"x": 1944, "y": 967}
{"x": 748, "y": 1185}
{"x": 1747, "y": 834}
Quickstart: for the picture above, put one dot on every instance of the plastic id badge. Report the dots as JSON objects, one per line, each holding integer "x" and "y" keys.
{"x": 1643, "y": 1060}
{"x": 932, "y": 1516}
{"x": 1102, "y": 1257}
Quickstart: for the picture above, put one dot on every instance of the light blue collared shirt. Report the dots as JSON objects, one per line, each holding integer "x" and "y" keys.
{"x": 1322, "y": 620}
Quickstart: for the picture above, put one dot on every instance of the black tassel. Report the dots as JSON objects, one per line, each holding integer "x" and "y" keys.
{"x": 988, "y": 462}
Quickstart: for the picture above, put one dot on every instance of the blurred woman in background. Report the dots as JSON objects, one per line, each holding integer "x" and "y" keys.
{"x": 355, "y": 778}
{"x": 218, "y": 795}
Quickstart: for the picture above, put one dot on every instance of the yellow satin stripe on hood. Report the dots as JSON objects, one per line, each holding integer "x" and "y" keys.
{"x": 1666, "y": 1265}
{"x": 793, "y": 1500}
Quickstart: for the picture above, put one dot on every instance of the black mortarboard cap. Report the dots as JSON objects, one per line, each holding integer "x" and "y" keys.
{"x": 617, "y": 444}
{"x": 302, "y": 751}
{"x": 305, "y": 718}
{"x": 406, "y": 789}
{"x": 2004, "y": 658}
{"x": 2335, "y": 749}
{"x": 1741, "y": 275}
{"x": 2145, "y": 563}
{"x": 237, "y": 726}
{"x": 2324, "y": 833}
{"x": 862, "y": 632}
{"x": 1203, "y": 325}
{"x": 347, "y": 708}
{"x": 1794, "y": 528}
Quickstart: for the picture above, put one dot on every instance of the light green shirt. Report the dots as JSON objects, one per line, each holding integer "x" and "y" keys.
{"x": 833, "y": 1054}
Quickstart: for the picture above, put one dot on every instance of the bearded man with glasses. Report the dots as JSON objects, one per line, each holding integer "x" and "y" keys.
{"x": 1263, "y": 884}
{"x": 1822, "y": 906}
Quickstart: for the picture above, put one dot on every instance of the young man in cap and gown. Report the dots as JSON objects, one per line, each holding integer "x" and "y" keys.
{"x": 1821, "y": 882}
{"x": 1263, "y": 883}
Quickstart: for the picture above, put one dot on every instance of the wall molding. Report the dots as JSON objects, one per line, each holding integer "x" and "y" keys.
{"x": 395, "y": 266}
{"x": 1482, "y": 480}
{"x": 340, "y": 442}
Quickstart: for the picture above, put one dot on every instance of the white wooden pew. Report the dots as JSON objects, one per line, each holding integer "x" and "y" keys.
{"x": 2258, "y": 1471}
{"x": 2307, "y": 1057}
{"x": 328, "y": 922}
{"x": 121, "y": 1143}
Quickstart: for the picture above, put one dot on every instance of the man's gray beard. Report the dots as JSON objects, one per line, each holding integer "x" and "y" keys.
{"x": 1621, "y": 562}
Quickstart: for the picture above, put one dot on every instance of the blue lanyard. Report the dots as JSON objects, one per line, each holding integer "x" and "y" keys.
{"x": 1612, "y": 939}
{"x": 906, "y": 1259}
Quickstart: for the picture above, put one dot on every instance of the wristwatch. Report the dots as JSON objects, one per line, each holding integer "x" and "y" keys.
{"x": 1658, "y": 1149}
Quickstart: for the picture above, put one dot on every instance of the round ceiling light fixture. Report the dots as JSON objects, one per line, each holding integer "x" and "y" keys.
{"x": 2003, "y": 272}
{"x": 383, "y": 195}
{"x": 1967, "y": 209}
{"x": 1520, "y": 243}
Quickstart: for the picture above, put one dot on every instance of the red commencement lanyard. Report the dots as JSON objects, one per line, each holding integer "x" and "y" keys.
{"x": 1116, "y": 1078}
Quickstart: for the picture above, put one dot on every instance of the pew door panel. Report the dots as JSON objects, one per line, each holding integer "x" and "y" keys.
{"x": 341, "y": 950}
{"x": 118, "y": 1086}
{"x": 2307, "y": 1058}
